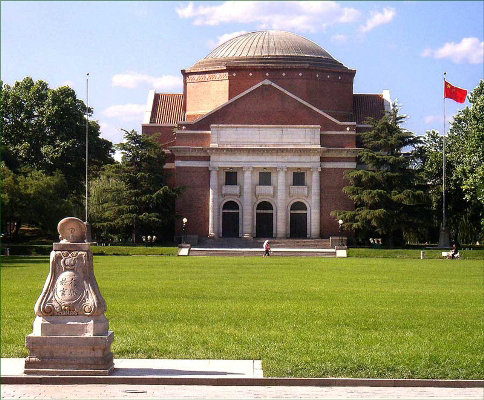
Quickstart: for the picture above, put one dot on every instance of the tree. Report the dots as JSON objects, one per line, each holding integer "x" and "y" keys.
{"x": 33, "y": 197}
{"x": 466, "y": 155}
{"x": 464, "y": 171}
{"x": 132, "y": 197}
{"x": 44, "y": 129}
{"x": 105, "y": 193}
{"x": 387, "y": 191}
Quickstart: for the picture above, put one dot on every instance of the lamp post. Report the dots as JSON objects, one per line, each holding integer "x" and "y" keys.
{"x": 184, "y": 237}
{"x": 340, "y": 226}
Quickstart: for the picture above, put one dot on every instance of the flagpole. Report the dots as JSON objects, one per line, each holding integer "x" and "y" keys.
{"x": 87, "y": 137}
{"x": 444, "y": 222}
{"x": 444, "y": 233}
{"x": 88, "y": 226}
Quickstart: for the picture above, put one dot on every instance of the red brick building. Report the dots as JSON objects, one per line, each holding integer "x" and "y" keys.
{"x": 261, "y": 137}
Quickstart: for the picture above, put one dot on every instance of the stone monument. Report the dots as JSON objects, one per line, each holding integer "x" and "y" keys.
{"x": 70, "y": 334}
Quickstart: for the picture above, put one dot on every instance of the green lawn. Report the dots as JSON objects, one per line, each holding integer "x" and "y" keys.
{"x": 411, "y": 253}
{"x": 305, "y": 317}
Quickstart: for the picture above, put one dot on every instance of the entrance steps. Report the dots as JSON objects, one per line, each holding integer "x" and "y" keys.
{"x": 253, "y": 247}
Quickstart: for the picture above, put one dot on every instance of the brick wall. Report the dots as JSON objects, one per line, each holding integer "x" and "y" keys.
{"x": 332, "y": 198}
{"x": 312, "y": 85}
{"x": 165, "y": 134}
{"x": 266, "y": 105}
{"x": 194, "y": 200}
{"x": 338, "y": 140}
{"x": 203, "y": 97}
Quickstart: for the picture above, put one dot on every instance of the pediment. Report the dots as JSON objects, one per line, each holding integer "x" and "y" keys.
{"x": 266, "y": 104}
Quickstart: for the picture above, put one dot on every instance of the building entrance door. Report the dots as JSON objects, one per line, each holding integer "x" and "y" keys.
{"x": 299, "y": 220}
{"x": 230, "y": 219}
{"x": 264, "y": 220}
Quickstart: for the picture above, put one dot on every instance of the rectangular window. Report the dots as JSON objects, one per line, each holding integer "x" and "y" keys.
{"x": 230, "y": 178}
{"x": 298, "y": 179}
{"x": 265, "y": 179}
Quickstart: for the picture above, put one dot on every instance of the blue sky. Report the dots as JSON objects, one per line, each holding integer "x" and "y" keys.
{"x": 131, "y": 47}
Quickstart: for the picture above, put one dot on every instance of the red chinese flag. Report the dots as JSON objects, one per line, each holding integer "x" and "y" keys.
{"x": 454, "y": 93}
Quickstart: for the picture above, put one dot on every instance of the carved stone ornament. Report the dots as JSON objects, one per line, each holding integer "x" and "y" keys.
{"x": 71, "y": 288}
{"x": 71, "y": 230}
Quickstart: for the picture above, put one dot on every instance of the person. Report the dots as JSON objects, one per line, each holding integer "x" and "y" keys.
{"x": 267, "y": 248}
{"x": 454, "y": 253}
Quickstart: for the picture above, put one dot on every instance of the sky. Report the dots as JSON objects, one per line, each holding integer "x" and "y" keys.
{"x": 129, "y": 48}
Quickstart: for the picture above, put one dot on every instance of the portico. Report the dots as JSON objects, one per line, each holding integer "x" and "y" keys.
{"x": 265, "y": 170}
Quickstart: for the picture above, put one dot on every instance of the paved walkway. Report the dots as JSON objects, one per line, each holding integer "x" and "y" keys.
{"x": 136, "y": 380}
{"x": 81, "y": 392}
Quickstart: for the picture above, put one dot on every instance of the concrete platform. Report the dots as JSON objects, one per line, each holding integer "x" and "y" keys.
{"x": 259, "y": 252}
{"x": 160, "y": 368}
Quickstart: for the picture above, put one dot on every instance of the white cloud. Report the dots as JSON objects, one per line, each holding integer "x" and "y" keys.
{"x": 132, "y": 80}
{"x": 378, "y": 18}
{"x": 126, "y": 112}
{"x": 68, "y": 83}
{"x": 429, "y": 119}
{"x": 224, "y": 38}
{"x": 469, "y": 50}
{"x": 306, "y": 16}
{"x": 339, "y": 38}
{"x": 110, "y": 133}
{"x": 432, "y": 118}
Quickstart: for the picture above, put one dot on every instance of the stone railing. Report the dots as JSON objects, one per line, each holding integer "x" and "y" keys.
{"x": 264, "y": 190}
{"x": 231, "y": 190}
{"x": 298, "y": 191}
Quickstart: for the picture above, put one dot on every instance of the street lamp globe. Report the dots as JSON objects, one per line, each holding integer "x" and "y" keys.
{"x": 341, "y": 241}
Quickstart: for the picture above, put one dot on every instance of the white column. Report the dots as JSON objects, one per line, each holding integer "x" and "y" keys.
{"x": 281, "y": 203}
{"x": 315, "y": 203}
{"x": 247, "y": 203}
{"x": 213, "y": 205}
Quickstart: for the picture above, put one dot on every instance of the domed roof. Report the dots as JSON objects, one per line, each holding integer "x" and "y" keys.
{"x": 268, "y": 48}
{"x": 268, "y": 43}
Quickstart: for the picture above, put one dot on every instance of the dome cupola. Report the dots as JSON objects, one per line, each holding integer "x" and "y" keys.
{"x": 268, "y": 48}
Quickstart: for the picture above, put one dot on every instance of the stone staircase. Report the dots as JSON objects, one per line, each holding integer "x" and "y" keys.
{"x": 241, "y": 247}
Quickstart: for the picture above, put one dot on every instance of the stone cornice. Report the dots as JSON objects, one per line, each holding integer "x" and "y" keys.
{"x": 322, "y": 151}
{"x": 189, "y": 151}
{"x": 262, "y": 126}
{"x": 259, "y": 150}
{"x": 161, "y": 125}
{"x": 185, "y": 131}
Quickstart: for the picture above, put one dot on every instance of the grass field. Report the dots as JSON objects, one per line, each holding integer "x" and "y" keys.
{"x": 304, "y": 317}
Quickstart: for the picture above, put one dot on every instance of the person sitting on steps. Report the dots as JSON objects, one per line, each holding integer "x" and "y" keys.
{"x": 454, "y": 253}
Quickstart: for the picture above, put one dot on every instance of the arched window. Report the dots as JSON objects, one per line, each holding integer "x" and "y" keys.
{"x": 298, "y": 220}
{"x": 230, "y": 219}
{"x": 264, "y": 220}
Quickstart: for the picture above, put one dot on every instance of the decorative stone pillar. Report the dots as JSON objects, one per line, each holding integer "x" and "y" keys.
{"x": 70, "y": 335}
{"x": 281, "y": 203}
{"x": 247, "y": 203}
{"x": 213, "y": 205}
{"x": 315, "y": 203}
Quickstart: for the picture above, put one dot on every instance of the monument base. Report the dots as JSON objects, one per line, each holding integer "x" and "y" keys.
{"x": 77, "y": 325}
{"x": 444, "y": 241}
{"x": 69, "y": 355}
